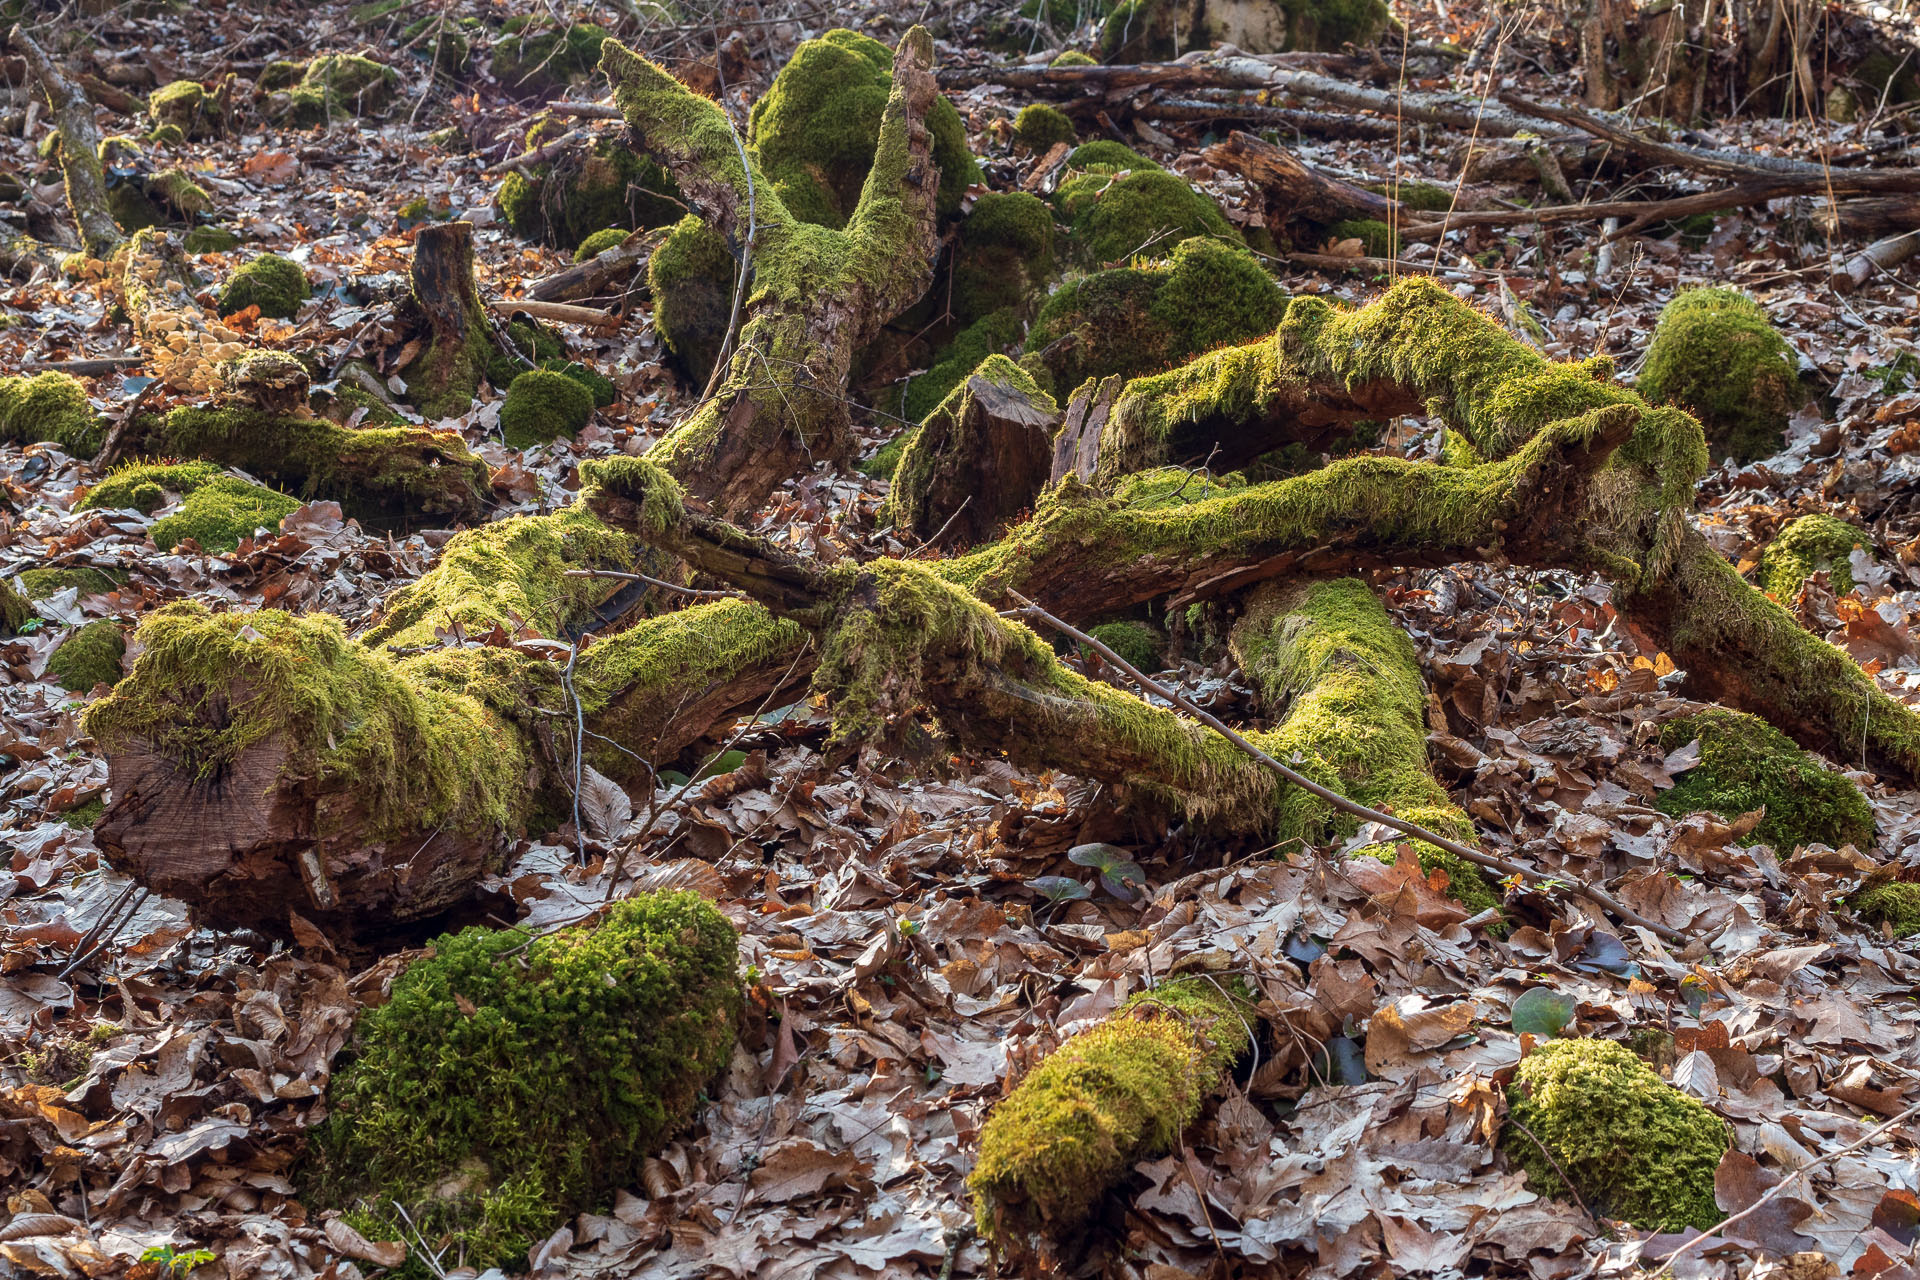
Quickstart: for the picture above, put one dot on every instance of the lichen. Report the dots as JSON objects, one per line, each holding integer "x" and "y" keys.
{"x": 599, "y": 242}
{"x": 275, "y": 284}
{"x": 542, "y": 405}
{"x": 1117, "y": 217}
{"x": 691, "y": 276}
{"x": 1895, "y": 905}
{"x": 1634, "y": 1147}
{"x": 1039, "y": 128}
{"x": 1807, "y": 546}
{"x": 1745, "y": 764}
{"x": 50, "y": 407}
{"x": 1103, "y": 1101}
{"x": 815, "y": 129}
{"x": 1130, "y": 321}
{"x": 90, "y": 656}
{"x": 508, "y": 1085}
{"x": 1715, "y": 355}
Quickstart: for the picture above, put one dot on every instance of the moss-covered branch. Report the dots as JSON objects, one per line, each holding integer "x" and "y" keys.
{"x": 79, "y": 149}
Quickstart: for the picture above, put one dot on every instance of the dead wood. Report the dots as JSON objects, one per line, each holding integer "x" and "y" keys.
{"x": 79, "y": 149}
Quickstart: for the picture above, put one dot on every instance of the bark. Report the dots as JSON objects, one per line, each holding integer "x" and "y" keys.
{"x": 79, "y": 149}
{"x": 615, "y": 271}
{"x": 977, "y": 462}
{"x": 817, "y": 295}
{"x": 1881, "y": 255}
{"x": 1294, "y": 190}
{"x": 460, "y": 344}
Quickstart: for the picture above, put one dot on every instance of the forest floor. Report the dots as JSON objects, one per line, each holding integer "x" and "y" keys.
{"x": 911, "y": 962}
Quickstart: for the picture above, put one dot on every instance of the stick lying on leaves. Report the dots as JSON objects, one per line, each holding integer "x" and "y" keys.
{"x": 1599, "y": 897}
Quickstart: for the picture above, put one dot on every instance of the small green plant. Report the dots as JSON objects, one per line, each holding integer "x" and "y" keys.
{"x": 175, "y": 1263}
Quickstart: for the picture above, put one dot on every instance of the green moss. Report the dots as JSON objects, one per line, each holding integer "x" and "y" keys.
{"x": 1137, "y": 320}
{"x": 1715, "y": 355}
{"x": 1117, "y": 217}
{"x": 38, "y": 584}
{"x": 1375, "y": 236}
{"x": 1103, "y": 1101}
{"x": 1355, "y": 720}
{"x": 15, "y": 610}
{"x": 508, "y": 1085}
{"x": 1632, "y": 1145}
{"x": 181, "y": 195}
{"x": 1808, "y": 545}
{"x": 1422, "y": 197}
{"x": 50, "y": 407}
{"x": 1073, "y": 58}
{"x": 352, "y": 84}
{"x": 691, "y": 276}
{"x": 1040, "y": 128}
{"x": 542, "y": 406}
{"x": 182, "y": 104}
{"x": 600, "y": 388}
{"x": 815, "y": 129}
{"x": 349, "y": 399}
{"x": 135, "y": 484}
{"x": 923, "y": 484}
{"x": 90, "y": 656}
{"x": 1104, "y": 153}
{"x": 274, "y": 284}
{"x": 280, "y": 75}
{"x": 166, "y": 135}
{"x": 218, "y": 513}
{"x": 1005, "y": 253}
{"x": 1746, "y": 763}
{"x": 548, "y": 59}
{"x": 209, "y": 240}
{"x": 82, "y": 817}
{"x": 991, "y": 335}
{"x": 1138, "y": 642}
{"x": 598, "y": 243}
{"x": 588, "y": 191}
{"x": 1895, "y": 905}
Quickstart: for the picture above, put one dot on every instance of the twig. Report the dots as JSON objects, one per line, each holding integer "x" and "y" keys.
{"x": 662, "y": 583}
{"x": 1599, "y": 896}
{"x": 934, "y": 541}
{"x": 1774, "y": 1193}
{"x": 104, "y": 930}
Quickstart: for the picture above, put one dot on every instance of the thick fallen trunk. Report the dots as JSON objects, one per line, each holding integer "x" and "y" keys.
{"x": 79, "y": 149}
{"x": 1292, "y": 190}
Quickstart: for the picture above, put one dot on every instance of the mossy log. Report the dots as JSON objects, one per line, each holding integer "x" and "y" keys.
{"x": 817, "y": 295}
{"x": 79, "y": 149}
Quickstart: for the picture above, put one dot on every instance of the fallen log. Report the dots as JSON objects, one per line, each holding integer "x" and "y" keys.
{"x": 1294, "y": 190}
{"x": 79, "y": 149}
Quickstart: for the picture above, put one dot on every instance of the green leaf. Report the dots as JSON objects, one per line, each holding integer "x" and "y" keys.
{"x": 1541, "y": 1011}
{"x": 1122, "y": 879}
{"x": 1060, "y": 888}
{"x": 1101, "y": 857}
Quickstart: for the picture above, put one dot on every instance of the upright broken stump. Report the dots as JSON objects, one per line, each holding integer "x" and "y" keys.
{"x": 978, "y": 460}
{"x": 459, "y": 346}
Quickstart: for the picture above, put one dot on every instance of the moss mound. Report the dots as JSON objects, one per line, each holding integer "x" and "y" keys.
{"x": 991, "y": 335}
{"x": 1807, "y": 546}
{"x": 1040, "y": 128}
{"x": 184, "y": 105}
{"x": 1746, "y": 763}
{"x": 1714, "y": 354}
{"x": 1073, "y": 58}
{"x": 815, "y": 129}
{"x": 1106, "y": 1099}
{"x": 592, "y": 190}
{"x": 219, "y": 512}
{"x": 1138, "y": 642}
{"x": 547, "y": 59}
{"x": 274, "y": 284}
{"x": 15, "y": 609}
{"x": 496, "y": 1097}
{"x": 50, "y": 407}
{"x": 543, "y": 405}
{"x": 280, "y": 75}
{"x": 1005, "y": 254}
{"x": 1117, "y": 216}
{"x": 599, "y": 387}
{"x": 142, "y": 485}
{"x": 1635, "y": 1147}
{"x": 598, "y": 243}
{"x": 1895, "y": 905}
{"x": 1135, "y": 320}
{"x": 691, "y": 278}
{"x": 38, "y": 584}
{"x": 356, "y": 85}
{"x": 209, "y": 240}
{"x": 90, "y": 656}
{"x": 1375, "y": 236}
{"x": 1104, "y": 153}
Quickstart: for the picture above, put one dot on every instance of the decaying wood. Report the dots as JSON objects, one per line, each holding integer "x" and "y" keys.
{"x": 976, "y": 464}
{"x": 1293, "y": 189}
{"x": 79, "y": 149}
{"x": 1881, "y": 255}
{"x": 614, "y": 271}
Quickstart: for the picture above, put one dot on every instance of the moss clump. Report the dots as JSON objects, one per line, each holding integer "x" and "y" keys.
{"x": 219, "y": 512}
{"x": 1119, "y": 216}
{"x": 1136, "y": 320}
{"x": 90, "y": 656}
{"x": 1895, "y": 905}
{"x": 15, "y": 609}
{"x": 1137, "y": 642}
{"x": 815, "y": 129}
{"x": 542, "y": 406}
{"x": 209, "y": 240}
{"x": 350, "y": 83}
{"x": 1040, "y": 128}
{"x": 1714, "y": 354}
{"x": 1375, "y": 236}
{"x": 598, "y": 243}
{"x": 1633, "y": 1146}
{"x": 184, "y": 105}
{"x": 142, "y": 485}
{"x": 1073, "y": 58}
{"x": 588, "y": 191}
{"x": 1106, "y": 1099}
{"x": 1104, "y": 153}
{"x": 600, "y": 388}
{"x": 280, "y": 75}
{"x": 991, "y": 335}
{"x": 1746, "y": 763}
{"x": 497, "y": 1095}
{"x": 1005, "y": 253}
{"x": 691, "y": 277}
{"x": 38, "y": 584}
{"x": 275, "y": 284}
{"x": 549, "y": 58}
{"x": 50, "y": 407}
{"x": 1805, "y": 547}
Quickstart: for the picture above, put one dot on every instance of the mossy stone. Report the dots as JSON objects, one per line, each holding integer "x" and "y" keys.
{"x": 15, "y": 609}
{"x": 1746, "y": 763}
{"x": 275, "y": 284}
{"x": 1139, "y": 643}
{"x": 1632, "y": 1145}
{"x": 1129, "y": 321}
{"x": 182, "y": 104}
{"x": 219, "y": 512}
{"x": 1040, "y": 128}
{"x": 1895, "y": 905}
{"x": 280, "y": 75}
{"x": 209, "y": 240}
{"x": 1810, "y": 544}
{"x": 1117, "y": 217}
{"x": 50, "y": 407}
{"x": 1715, "y": 355}
{"x": 588, "y": 191}
{"x": 1104, "y": 153}
{"x": 542, "y": 405}
{"x": 359, "y": 86}
{"x": 90, "y": 656}
{"x": 598, "y": 243}
{"x": 166, "y": 135}
{"x": 1004, "y": 254}
{"x": 815, "y": 129}
{"x": 691, "y": 277}
{"x": 509, "y": 1084}
{"x": 599, "y": 387}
